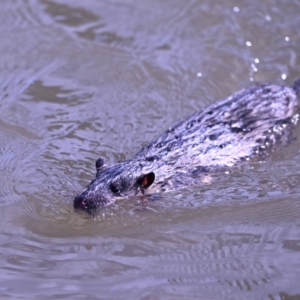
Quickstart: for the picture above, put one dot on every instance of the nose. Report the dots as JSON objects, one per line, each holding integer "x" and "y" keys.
{"x": 80, "y": 202}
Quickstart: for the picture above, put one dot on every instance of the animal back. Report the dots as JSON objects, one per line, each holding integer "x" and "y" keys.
{"x": 245, "y": 124}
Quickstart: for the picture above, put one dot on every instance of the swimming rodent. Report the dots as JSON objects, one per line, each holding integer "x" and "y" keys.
{"x": 247, "y": 124}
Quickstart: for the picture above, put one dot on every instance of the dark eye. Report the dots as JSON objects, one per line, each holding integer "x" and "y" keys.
{"x": 115, "y": 189}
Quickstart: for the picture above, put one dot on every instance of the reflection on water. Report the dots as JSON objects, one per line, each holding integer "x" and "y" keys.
{"x": 83, "y": 79}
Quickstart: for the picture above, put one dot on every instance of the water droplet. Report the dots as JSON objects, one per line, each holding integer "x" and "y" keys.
{"x": 254, "y": 68}
{"x": 248, "y": 43}
{"x": 283, "y": 76}
{"x": 236, "y": 9}
{"x": 268, "y": 18}
{"x": 190, "y": 125}
{"x": 295, "y": 118}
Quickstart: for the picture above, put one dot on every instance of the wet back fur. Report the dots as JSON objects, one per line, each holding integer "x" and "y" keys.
{"x": 249, "y": 123}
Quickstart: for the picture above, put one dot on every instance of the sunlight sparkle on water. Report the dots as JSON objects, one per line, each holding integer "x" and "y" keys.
{"x": 236, "y": 9}
{"x": 283, "y": 76}
{"x": 249, "y": 44}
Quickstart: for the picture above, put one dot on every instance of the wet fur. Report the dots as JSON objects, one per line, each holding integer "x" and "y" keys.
{"x": 247, "y": 124}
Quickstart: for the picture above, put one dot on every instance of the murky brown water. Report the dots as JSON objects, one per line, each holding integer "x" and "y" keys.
{"x": 80, "y": 79}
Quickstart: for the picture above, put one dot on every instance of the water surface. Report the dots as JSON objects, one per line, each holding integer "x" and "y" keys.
{"x": 83, "y": 79}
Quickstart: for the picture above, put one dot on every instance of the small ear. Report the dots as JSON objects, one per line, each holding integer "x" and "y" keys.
{"x": 100, "y": 165}
{"x": 146, "y": 180}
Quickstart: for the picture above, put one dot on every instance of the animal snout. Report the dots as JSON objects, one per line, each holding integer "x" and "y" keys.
{"x": 80, "y": 202}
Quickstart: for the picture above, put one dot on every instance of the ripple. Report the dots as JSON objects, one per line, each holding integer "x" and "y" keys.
{"x": 85, "y": 79}
{"x": 68, "y": 15}
{"x": 18, "y": 14}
